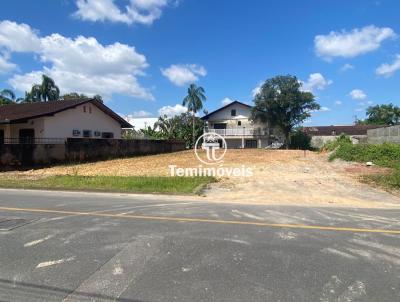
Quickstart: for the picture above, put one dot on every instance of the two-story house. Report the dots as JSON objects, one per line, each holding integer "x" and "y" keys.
{"x": 233, "y": 122}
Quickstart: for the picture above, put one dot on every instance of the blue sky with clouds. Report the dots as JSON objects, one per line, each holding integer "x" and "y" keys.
{"x": 142, "y": 54}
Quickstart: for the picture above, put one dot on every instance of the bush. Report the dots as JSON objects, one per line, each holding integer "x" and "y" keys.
{"x": 341, "y": 140}
{"x": 386, "y": 155}
{"x": 300, "y": 140}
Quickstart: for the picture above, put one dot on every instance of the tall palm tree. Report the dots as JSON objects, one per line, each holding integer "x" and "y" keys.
{"x": 7, "y": 96}
{"x": 49, "y": 91}
{"x": 44, "y": 92}
{"x": 194, "y": 102}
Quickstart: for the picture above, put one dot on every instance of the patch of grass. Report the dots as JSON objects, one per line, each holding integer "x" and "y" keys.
{"x": 391, "y": 180}
{"x": 385, "y": 155}
{"x": 136, "y": 184}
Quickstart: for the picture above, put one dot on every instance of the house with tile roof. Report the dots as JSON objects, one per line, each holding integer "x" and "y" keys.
{"x": 49, "y": 122}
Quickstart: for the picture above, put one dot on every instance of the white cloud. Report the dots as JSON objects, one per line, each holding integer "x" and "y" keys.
{"x": 346, "y": 67}
{"x": 171, "y": 111}
{"x": 358, "y": 94}
{"x": 18, "y": 37}
{"x": 84, "y": 65}
{"x": 5, "y": 65}
{"x": 226, "y": 101}
{"x": 316, "y": 81}
{"x": 338, "y": 103}
{"x": 351, "y": 44}
{"x": 182, "y": 74}
{"x": 324, "y": 109}
{"x": 387, "y": 69}
{"x": 142, "y": 122}
{"x": 370, "y": 102}
{"x": 137, "y": 11}
{"x": 140, "y": 114}
{"x": 256, "y": 90}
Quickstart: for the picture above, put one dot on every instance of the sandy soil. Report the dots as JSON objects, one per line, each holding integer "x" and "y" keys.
{"x": 280, "y": 177}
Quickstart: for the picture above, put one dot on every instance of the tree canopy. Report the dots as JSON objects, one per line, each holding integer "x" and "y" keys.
{"x": 281, "y": 103}
{"x": 386, "y": 114}
{"x": 7, "y": 97}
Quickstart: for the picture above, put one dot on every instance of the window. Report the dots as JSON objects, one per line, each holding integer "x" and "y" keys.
{"x": 239, "y": 123}
{"x": 233, "y": 112}
{"x": 76, "y": 132}
{"x": 107, "y": 135}
{"x": 97, "y": 133}
{"x": 84, "y": 109}
{"x": 87, "y": 133}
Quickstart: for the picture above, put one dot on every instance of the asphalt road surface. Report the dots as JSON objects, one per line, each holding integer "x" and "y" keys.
{"x": 58, "y": 246}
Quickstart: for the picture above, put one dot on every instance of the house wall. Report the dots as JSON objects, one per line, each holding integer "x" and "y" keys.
{"x": 62, "y": 124}
{"x": 13, "y": 129}
{"x": 224, "y": 116}
{"x": 382, "y": 135}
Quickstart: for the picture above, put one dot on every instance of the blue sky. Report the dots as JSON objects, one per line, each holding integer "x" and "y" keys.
{"x": 142, "y": 54}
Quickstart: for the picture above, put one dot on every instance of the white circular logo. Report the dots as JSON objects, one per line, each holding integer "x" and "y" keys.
{"x": 211, "y": 142}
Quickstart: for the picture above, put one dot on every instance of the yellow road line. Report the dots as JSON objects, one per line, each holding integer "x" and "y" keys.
{"x": 205, "y": 220}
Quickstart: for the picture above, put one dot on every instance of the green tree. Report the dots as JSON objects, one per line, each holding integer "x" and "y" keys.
{"x": 281, "y": 103}
{"x": 194, "y": 102}
{"x": 167, "y": 126}
{"x": 73, "y": 95}
{"x": 7, "y": 97}
{"x": 386, "y": 114}
{"x": 44, "y": 92}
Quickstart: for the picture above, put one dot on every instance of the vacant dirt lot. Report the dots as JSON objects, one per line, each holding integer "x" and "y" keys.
{"x": 280, "y": 177}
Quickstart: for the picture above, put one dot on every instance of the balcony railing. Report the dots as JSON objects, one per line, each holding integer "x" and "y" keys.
{"x": 237, "y": 131}
{"x": 32, "y": 141}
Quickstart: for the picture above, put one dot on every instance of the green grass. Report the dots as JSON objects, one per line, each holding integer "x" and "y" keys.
{"x": 385, "y": 155}
{"x": 136, "y": 184}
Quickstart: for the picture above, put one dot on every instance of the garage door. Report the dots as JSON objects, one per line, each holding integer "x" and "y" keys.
{"x": 251, "y": 143}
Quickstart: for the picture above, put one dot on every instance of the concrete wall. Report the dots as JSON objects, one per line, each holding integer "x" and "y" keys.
{"x": 29, "y": 155}
{"x": 320, "y": 141}
{"x": 383, "y": 135}
{"x": 93, "y": 149}
{"x": 79, "y": 150}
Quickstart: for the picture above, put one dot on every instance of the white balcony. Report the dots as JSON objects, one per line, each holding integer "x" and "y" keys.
{"x": 239, "y": 131}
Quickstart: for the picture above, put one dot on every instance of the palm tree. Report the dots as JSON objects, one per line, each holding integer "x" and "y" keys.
{"x": 46, "y": 91}
{"x": 194, "y": 102}
{"x": 49, "y": 91}
{"x": 7, "y": 97}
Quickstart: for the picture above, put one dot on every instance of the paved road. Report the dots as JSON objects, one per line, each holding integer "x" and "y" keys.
{"x": 103, "y": 247}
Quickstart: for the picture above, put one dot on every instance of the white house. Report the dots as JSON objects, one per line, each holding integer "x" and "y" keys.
{"x": 233, "y": 122}
{"x": 58, "y": 120}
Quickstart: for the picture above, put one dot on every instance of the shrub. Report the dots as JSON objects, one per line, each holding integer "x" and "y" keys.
{"x": 386, "y": 155}
{"x": 341, "y": 140}
{"x": 300, "y": 140}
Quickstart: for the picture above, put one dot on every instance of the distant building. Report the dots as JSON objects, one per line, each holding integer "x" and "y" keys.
{"x": 58, "y": 120}
{"x": 233, "y": 122}
{"x": 323, "y": 134}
